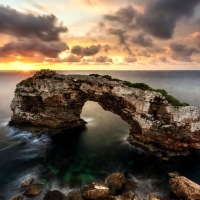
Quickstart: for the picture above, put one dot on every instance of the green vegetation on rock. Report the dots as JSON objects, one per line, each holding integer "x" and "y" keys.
{"x": 172, "y": 100}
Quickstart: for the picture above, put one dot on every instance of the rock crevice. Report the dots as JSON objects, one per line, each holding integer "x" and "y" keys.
{"x": 56, "y": 101}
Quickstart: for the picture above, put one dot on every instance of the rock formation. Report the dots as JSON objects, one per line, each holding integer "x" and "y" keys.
{"x": 185, "y": 188}
{"x": 52, "y": 100}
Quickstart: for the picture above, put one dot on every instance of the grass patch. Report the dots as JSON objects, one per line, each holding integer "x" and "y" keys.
{"x": 172, "y": 100}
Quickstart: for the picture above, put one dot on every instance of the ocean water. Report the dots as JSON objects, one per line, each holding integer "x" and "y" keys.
{"x": 66, "y": 160}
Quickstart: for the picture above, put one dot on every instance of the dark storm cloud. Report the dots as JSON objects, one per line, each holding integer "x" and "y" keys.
{"x": 125, "y": 16}
{"x": 122, "y": 38}
{"x": 86, "y": 51}
{"x": 19, "y": 24}
{"x": 27, "y": 48}
{"x": 160, "y": 16}
{"x": 142, "y": 40}
{"x": 180, "y": 52}
{"x": 158, "y": 19}
{"x": 103, "y": 59}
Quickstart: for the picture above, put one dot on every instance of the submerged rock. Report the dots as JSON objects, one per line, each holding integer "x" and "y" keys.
{"x": 17, "y": 197}
{"x": 151, "y": 118}
{"x": 185, "y": 188}
{"x": 27, "y": 182}
{"x": 115, "y": 182}
{"x": 32, "y": 191}
{"x": 55, "y": 195}
{"x": 95, "y": 191}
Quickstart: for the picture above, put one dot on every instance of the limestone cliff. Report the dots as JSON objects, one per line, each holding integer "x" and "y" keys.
{"x": 56, "y": 101}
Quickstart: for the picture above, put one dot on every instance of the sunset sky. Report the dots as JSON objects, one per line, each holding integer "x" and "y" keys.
{"x": 100, "y": 34}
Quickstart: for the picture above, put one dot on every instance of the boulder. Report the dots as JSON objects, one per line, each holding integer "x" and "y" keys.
{"x": 54, "y": 195}
{"x": 115, "y": 182}
{"x": 74, "y": 195}
{"x": 95, "y": 191}
{"x": 17, "y": 197}
{"x": 154, "y": 197}
{"x": 32, "y": 191}
{"x": 185, "y": 188}
{"x": 27, "y": 182}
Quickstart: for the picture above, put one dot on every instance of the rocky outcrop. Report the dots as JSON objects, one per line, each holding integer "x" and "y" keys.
{"x": 52, "y": 100}
{"x": 185, "y": 188}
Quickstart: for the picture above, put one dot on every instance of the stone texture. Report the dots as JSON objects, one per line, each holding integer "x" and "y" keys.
{"x": 52, "y": 100}
{"x": 74, "y": 195}
{"x": 185, "y": 188}
{"x": 115, "y": 182}
{"x": 32, "y": 191}
{"x": 27, "y": 182}
{"x": 55, "y": 195}
{"x": 95, "y": 191}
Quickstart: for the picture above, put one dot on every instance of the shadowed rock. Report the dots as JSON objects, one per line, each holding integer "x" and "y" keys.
{"x": 74, "y": 195}
{"x": 52, "y": 100}
{"x": 17, "y": 197}
{"x": 115, "y": 182}
{"x": 54, "y": 195}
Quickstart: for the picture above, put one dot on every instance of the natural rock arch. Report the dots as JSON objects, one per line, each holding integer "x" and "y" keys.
{"x": 56, "y": 101}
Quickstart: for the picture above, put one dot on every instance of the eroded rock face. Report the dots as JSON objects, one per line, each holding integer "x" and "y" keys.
{"x": 56, "y": 101}
{"x": 185, "y": 188}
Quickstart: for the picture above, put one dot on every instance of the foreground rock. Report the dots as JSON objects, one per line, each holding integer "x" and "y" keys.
{"x": 115, "y": 182}
{"x": 95, "y": 191}
{"x": 27, "y": 182}
{"x": 32, "y": 191}
{"x": 185, "y": 188}
{"x": 152, "y": 120}
{"x": 55, "y": 195}
{"x": 17, "y": 197}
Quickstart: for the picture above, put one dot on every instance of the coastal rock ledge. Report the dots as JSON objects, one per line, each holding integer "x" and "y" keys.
{"x": 53, "y": 100}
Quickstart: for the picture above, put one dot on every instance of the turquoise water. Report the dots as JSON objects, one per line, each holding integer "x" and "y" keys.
{"x": 67, "y": 159}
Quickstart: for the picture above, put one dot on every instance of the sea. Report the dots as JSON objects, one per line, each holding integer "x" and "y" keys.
{"x": 68, "y": 159}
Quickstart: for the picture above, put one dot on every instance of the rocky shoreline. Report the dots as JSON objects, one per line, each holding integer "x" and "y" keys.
{"x": 115, "y": 187}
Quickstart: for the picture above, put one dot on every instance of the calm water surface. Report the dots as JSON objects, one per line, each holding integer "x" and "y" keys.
{"x": 67, "y": 159}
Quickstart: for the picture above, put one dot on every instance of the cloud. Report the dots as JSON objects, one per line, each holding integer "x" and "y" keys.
{"x": 106, "y": 48}
{"x": 27, "y": 48}
{"x": 142, "y": 40}
{"x": 130, "y": 59}
{"x": 103, "y": 59}
{"x": 163, "y": 59}
{"x": 122, "y": 38}
{"x": 71, "y": 58}
{"x": 85, "y": 51}
{"x": 158, "y": 18}
{"x": 180, "y": 52}
{"x": 19, "y": 24}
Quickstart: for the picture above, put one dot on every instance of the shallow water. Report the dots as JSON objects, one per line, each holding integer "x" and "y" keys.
{"x": 67, "y": 159}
